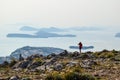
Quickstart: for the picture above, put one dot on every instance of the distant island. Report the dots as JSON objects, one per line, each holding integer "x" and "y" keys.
{"x": 39, "y": 34}
{"x": 52, "y": 29}
{"x": 49, "y": 29}
{"x": 55, "y": 29}
{"x": 28, "y": 28}
{"x": 84, "y": 47}
{"x": 49, "y": 32}
{"x": 85, "y": 28}
{"x": 117, "y": 35}
{"x": 15, "y": 35}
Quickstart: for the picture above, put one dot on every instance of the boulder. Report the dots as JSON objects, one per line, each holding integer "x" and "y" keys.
{"x": 71, "y": 64}
{"x": 22, "y": 64}
{"x": 88, "y": 63}
{"x": 33, "y": 65}
{"x": 51, "y": 56}
{"x": 14, "y": 78}
{"x": 75, "y": 54}
{"x": 25, "y": 79}
{"x": 64, "y": 53}
{"x": 58, "y": 67}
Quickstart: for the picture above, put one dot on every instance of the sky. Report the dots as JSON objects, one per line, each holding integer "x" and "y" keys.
{"x": 59, "y": 13}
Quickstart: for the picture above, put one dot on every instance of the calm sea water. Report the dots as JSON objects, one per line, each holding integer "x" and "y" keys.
{"x": 99, "y": 39}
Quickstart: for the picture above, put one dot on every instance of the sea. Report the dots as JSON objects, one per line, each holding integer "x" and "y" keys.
{"x": 100, "y": 39}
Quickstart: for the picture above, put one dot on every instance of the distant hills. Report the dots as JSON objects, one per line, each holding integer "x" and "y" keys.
{"x": 28, "y": 51}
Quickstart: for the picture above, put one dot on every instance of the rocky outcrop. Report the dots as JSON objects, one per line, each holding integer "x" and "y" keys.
{"x": 99, "y": 64}
{"x": 22, "y": 64}
{"x": 28, "y": 51}
{"x": 58, "y": 67}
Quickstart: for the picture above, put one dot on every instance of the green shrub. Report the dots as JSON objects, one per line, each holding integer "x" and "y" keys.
{"x": 39, "y": 60}
{"x": 87, "y": 77}
{"x": 114, "y": 51}
{"x": 78, "y": 69}
{"x": 5, "y": 64}
{"x": 72, "y": 76}
{"x": 104, "y": 54}
{"x": 54, "y": 77}
{"x": 78, "y": 76}
{"x": 107, "y": 55}
{"x": 117, "y": 58}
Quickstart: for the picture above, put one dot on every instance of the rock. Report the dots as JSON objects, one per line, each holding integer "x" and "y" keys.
{"x": 75, "y": 54}
{"x": 51, "y": 56}
{"x": 71, "y": 64}
{"x": 41, "y": 68}
{"x": 33, "y": 65}
{"x": 88, "y": 63}
{"x": 53, "y": 60}
{"x": 14, "y": 78}
{"x": 85, "y": 56}
{"x": 25, "y": 79}
{"x": 58, "y": 67}
{"x": 64, "y": 53}
{"x": 28, "y": 51}
{"x": 104, "y": 51}
{"x": 34, "y": 56}
{"x": 22, "y": 64}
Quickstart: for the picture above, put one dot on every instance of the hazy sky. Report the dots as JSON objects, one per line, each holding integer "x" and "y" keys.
{"x": 61, "y": 13}
{"x": 58, "y": 13}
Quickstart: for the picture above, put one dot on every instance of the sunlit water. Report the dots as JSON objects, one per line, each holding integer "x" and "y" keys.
{"x": 99, "y": 39}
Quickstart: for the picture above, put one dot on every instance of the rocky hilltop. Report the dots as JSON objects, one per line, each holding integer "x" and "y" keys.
{"x": 102, "y": 65}
{"x": 28, "y": 51}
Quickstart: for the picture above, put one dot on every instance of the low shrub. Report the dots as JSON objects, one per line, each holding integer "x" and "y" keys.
{"x": 12, "y": 63}
{"x": 87, "y": 77}
{"x": 54, "y": 77}
{"x": 72, "y": 76}
{"x": 78, "y": 76}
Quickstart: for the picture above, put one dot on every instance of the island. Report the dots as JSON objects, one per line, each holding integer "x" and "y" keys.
{"x": 84, "y": 47}
{"x": 117, "y": 35}
{"x": 39, "y": 34}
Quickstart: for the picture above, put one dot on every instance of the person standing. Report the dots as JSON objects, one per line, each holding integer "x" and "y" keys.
{"x": 80, "y": 46}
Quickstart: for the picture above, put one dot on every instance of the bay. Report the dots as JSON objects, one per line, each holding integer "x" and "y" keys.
{"x": 99, "y": 39}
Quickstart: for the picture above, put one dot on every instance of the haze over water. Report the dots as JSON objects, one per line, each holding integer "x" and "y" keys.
{"x": 103, "y": 14}
{"x": 100, "y": 39}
